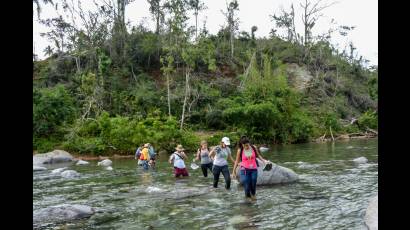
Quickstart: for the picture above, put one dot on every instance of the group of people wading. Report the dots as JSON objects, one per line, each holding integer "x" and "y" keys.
{"x": 216, "y": 161}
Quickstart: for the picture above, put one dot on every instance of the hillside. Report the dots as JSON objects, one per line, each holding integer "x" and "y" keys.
{"x": 111, "y": 90}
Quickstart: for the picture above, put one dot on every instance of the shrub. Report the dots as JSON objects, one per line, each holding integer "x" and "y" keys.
{"x": 51, "y": 108}
{"x": 368, "y": 119}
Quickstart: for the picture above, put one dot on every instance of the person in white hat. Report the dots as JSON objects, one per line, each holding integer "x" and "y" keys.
{"x": 220, "y": 154}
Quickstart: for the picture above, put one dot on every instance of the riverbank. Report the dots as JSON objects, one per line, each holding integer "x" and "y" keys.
{"x": 343, "y": 138}
{"x": 92, "y": 157}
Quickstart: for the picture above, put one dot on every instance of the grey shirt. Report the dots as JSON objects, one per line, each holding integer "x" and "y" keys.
{"x": 221, "y": 155}
{"x": 204, "y": 156}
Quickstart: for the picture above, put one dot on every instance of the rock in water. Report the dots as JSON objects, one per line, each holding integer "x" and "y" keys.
{"x": 277, "y": 175}
{"x": 59, "y": 170}
{"x": 70, "y": 174}
{"x": 38, "y": 168}
{"x": 56, "y": 156}
{"x": 81, "y": 162}
{"x": 263, "y": 149}
{"x": 62, "y": 213}
{"x": 371, "y": 218}
{"x": 109, "y": 168}
{"x": 360, "y": 160}
{"x": 105, "y": 163}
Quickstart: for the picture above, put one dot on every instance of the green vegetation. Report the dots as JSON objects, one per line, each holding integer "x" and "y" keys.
{"x": 105, "y": 90}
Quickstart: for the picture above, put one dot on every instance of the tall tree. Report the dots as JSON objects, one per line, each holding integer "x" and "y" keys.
{"x": 233, "y": 22}
{"x": 197, "y": 6}
{"x": 311, "y": 14}
{"x": 177, "y": 38}
{"x": 287, "y": 20}
{"x": 157, "y": 11}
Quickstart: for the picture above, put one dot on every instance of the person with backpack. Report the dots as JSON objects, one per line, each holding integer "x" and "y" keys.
{"x": 220, "y": 154}
{"x": 246, "y": 159}
{"x": 152, "y": 155}
{"x": 138, "y": 154}
{"x": 206, "y": 161}
{"x": 178, "y": 159}
{"x": 145, "y": 156}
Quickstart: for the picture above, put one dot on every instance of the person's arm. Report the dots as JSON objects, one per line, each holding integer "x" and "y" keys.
{"x": 238, "y": 154}
{"x": 212, "y": 153}
{"x": 230, "y": 157}
{"x": 184, "y": 155}
{"x": 198, "y": 155}
{"x": 171, "y": 158}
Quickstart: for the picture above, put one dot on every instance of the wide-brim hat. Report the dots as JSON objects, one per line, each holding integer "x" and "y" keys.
{"x": 179, "y": 148}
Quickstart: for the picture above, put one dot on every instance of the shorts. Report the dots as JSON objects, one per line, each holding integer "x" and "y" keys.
{"x": 178, "y": 172}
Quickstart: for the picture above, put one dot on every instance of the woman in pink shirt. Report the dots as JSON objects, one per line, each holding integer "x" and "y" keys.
{"x": 246, "y": 159}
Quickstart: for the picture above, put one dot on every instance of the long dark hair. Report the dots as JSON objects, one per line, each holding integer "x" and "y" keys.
{"x": 243, "y": 140}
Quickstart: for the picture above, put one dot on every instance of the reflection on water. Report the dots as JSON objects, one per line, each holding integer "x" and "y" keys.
{"x": 332, "y": 193}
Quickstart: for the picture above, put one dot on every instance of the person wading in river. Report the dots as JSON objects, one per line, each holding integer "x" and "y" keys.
{"x": 221, "y": 153}
{"x": 179, "y": 165}
{"x": 206, "y": 162}
{"x": 246, "y": 159}
{"x": 145, "y": 156}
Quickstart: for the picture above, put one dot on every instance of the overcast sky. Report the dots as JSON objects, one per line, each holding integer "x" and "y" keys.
{"x": 363, "y": 14}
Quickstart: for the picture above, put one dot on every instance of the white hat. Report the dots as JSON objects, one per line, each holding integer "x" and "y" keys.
{"x": 226, "y": 141}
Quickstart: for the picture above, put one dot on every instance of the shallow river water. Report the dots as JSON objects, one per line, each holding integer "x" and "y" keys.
{"x": 332, "y": 193}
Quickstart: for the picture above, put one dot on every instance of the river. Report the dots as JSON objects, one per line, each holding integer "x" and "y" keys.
{"x": 332, "y": 193}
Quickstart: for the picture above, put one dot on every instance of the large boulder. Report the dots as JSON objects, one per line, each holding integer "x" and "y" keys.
{"x": 81, "y": 162}
{"x": 371, "y": 218}
{"x": 61, "y": 213}
{"x": 105, "y": 163}
{"x": 277, "y": 175}
{"x": 56, "y": 156}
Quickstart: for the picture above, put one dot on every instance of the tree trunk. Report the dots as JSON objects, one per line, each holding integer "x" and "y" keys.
{"x": 330, "y": 129}
{"x": 77, "y": 62}
{"x": 158, "y": 15}
{"x": 185, "y": 98}
{"x": 168, "y": 92}
{"x": 231, "y": 43}
{"x": 196, "y": 26}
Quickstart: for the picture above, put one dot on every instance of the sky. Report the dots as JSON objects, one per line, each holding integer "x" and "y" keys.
{"x": 363, "y": 14}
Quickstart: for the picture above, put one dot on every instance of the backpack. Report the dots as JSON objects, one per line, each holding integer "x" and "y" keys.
{"x": 138, "y": 152}
{"x": 151, "y": 151}
{"x": 256, "y": 154}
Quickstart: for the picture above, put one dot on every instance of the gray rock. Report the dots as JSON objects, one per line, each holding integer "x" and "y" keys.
{"x": 56, "y": 156}
{"x": 81, "y": 162}
{"x": 277, "y": 175}
{"x": 61, "y": 213}
{"x": 105, "y": 163}
{"x": 263, "y": 149}
{"x": 38, "y": 168}
{"x": 371, "y": 217}
{"x": 59, "y": 170}
{"x": 109, "y": 168}
{"x": 70, "y": 174}
{"x": 360, "y": 160}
